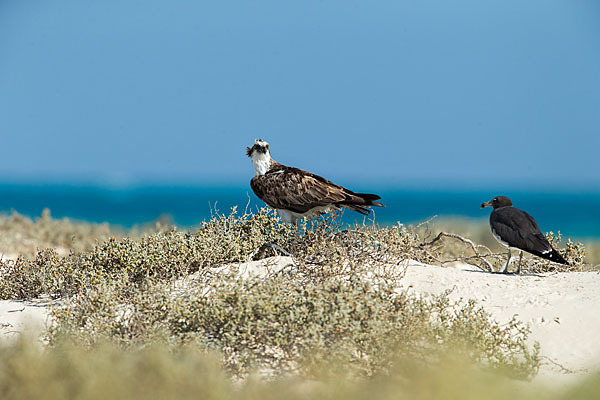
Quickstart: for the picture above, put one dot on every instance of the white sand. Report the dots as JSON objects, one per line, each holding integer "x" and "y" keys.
{"x": 561, "y": 309}
{"x": 29, "y": 317}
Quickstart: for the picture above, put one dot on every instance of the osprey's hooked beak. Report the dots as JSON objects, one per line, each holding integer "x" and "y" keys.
{"x": 487, "y": 204}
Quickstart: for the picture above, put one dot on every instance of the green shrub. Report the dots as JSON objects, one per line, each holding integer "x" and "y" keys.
{"x": 277, "y": 324}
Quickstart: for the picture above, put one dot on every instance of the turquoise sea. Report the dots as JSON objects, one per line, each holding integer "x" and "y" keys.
{"x": 576, "y": 214}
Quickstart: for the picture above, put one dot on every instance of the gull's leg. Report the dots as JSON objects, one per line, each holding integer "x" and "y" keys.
{"x": 505, "y": 267}
{"x": 519, "y": 265}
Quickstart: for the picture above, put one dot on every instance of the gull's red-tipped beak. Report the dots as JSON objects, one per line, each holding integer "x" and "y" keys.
{"x": 486, "y": 204}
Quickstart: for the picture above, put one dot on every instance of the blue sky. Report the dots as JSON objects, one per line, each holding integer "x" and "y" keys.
{"x": 394, "y": 92}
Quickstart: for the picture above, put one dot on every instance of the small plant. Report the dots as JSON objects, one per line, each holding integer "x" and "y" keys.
{"x": 574, "y": 253}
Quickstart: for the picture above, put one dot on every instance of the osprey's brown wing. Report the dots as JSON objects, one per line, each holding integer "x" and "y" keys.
{"x": 299, "y": 191}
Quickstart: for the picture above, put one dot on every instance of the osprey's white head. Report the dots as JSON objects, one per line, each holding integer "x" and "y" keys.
{"x": 260, "y": 155}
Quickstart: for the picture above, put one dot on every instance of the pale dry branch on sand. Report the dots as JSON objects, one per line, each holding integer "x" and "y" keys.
{"x": 466, "y": 259}
{"x": 562, "y": 368}
{"x": 474, "y": 247}
{"x": 426, "y": 222}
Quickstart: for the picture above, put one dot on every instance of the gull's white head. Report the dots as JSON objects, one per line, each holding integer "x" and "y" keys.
{"x": 260, "y": 155}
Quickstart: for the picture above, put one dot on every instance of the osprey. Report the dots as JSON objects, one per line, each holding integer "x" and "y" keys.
{"x": 295, "y": 193}
{"x": 515, "y": 228}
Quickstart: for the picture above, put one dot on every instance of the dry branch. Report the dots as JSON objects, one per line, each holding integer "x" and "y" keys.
{"x": 474, "y": 247}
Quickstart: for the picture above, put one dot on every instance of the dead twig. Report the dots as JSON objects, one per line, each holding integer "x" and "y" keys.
{"x": 420, "y": 224}
{"x": 563, "y": 369}
{"x": 477, "y": 257}
{"x": 474, "y": 247}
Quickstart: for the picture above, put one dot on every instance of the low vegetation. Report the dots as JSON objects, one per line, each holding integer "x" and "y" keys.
{"x": 23, "y": 236}
{"x": 20, "y": 235}
{"x": 68, "y": 371}
{"x": 277, "y": 326}
{"x": 179, "y": 301}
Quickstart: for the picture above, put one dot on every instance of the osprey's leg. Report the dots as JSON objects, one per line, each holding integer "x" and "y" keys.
{"x": 519, "y": 265}
{"x": 276, "y": 248}
{"x": 504, "y": 269}
{"x": 287, "y": 218}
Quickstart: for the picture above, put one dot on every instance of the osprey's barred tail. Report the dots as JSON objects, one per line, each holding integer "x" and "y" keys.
{"x": 370, "y": 199}
{"x": 361, "y": 201}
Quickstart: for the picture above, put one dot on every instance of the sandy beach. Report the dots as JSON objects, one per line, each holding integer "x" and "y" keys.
{"x": 559, "y": 308}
